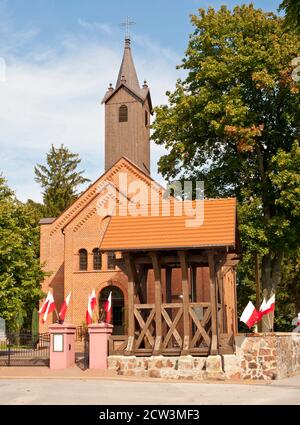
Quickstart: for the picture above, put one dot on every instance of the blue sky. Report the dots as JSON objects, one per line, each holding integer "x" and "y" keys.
{"x": 60, "y": 56}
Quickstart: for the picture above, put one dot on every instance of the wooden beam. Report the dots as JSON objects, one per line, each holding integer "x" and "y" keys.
{"x": 221, "y": 317}
{"x": 235, "y": 330}
{"x": 168, "y": 285}
{"x": 131, "y": 295}
{"x": 158, "y": 302}
{"x": 172, "y": 260}
{"x": 185, "y": 301}
{"x": 213, "y": 300}
{"x": 143, "y": 283}
{"x": 194, "y": 283}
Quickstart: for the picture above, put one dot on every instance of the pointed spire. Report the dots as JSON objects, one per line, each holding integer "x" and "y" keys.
{"x": 127, "y": 71}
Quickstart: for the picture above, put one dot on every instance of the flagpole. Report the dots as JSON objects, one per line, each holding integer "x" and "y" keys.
{"x": 57, "y": 315}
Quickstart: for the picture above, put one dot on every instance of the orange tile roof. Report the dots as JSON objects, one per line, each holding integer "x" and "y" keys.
{"x": 158, "y": 232}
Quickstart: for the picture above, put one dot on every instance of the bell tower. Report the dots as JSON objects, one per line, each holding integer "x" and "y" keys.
{"x": 128, "y": 109}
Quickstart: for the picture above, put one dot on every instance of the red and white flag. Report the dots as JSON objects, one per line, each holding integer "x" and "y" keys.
{"x": 49, "y": 308}
{"x": 107, "y": 308}
{"x": 93, "y": 300}
{"x": 89, "y": 312}
{"x": 250, "y": 315}
{"x": 267, "y": 306}
{"x": 44, "y": 305}
{"x": 64, "y": 307}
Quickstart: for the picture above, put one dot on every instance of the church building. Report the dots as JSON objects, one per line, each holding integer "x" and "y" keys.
{"x": 173, "y": 287}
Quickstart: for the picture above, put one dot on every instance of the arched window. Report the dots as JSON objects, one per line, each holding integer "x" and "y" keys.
{"x": 97, "y": 259}
{"x": 117, "y": 300}
{"x": 146, "y": 118}
{"x": 110, "y": 260}
{"x": 123, "y": 113}
{"x": 83, "y": 259}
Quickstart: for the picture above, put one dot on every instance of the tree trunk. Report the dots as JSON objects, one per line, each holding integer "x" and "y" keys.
{"x": 271, "y": 277}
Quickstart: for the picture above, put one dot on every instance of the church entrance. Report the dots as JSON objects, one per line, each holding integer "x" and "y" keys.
{"x": 117, "y": 307}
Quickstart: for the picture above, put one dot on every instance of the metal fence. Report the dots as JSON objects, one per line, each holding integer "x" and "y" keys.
{"x": 25, "y": 349}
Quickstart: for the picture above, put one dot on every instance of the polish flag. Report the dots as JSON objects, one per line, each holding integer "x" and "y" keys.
{"x": 93, "y": 300}
{"x": 250, "y": 315}
{"x": 107, "y": 308}
{"x": 89, "y": 312}
{"x": 267, "y": 306}
{"x": 49, "y": 309}
{"x": 64, "y": 307}
{"x": 45, "y": 303}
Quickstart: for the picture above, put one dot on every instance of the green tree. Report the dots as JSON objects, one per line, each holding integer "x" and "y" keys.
{"x": 35, "y": 325}
{"x": 227, "y": 122}
{"x": 292, "y": 10}
{"x": 20, "y": 272}
{"x": 59, "y": 180}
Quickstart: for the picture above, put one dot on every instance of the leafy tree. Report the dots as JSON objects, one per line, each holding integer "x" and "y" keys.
{"x": 35, "y": 325}
{"x": 233, "y": 122}
{"x": 59, "y": 180}
{"x": 20, "y": 272}
{"x": 292, "y": 10}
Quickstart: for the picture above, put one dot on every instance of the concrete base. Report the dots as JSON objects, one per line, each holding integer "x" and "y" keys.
{"x": 214, "y": 369}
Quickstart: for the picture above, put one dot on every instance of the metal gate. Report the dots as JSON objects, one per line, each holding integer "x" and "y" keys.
{"x": 25, "y": 349}
{"x": 86, "y": 352}
{"x": 82, "y": 352}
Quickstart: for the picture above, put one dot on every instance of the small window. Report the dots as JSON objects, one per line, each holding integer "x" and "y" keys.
{"x": 123, "y": 113}
{"x": 83, "y": 259}
{"x": 146, "y": 118}
{"x": 97, "y": 258}
{"x": 110, "y": 260}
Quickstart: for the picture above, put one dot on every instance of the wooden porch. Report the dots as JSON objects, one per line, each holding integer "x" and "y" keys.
{"x": 187, "y": 326}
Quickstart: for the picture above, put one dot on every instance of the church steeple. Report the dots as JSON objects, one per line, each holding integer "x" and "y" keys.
{"x": 127, "y": 71}
{"x": 127, "y": 117}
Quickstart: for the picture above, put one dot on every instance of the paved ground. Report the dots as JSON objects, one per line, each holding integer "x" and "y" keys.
{"x": 95, "y": 390}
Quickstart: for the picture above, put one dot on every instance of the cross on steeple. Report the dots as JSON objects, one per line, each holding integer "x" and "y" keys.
{"x": 127, "y": 24}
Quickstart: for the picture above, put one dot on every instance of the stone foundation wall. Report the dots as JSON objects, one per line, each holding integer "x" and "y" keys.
{"x": 268, "y": 356}
{"x": 183, "y": 367}
{"x": 258, "y": 356}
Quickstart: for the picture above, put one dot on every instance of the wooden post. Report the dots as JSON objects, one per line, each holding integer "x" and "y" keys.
{"x": 236, "y": 326}
{"x": 131, "y": 294}
{"x": 186, "y": 302}
{"x": 213, "y": 302}
{"x": 221, "y": 322}
{"x": 194, "y": 283}
{"x": 143, "y": 283}
{"x": 193, "y": 274}
{"x": 168, "y": 285}
{"x": 168, "y": 300}
{"x": 158, "y": 302}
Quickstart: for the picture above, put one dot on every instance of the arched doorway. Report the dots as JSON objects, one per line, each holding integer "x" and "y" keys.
{"x": 117, "y": 307}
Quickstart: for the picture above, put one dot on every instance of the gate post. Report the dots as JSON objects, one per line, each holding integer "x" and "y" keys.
{"x": 99, "y": 334}
{"x": 62, "y": 345}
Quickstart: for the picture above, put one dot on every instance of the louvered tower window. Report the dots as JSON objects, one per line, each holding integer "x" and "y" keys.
{"x": 123, "y": 113}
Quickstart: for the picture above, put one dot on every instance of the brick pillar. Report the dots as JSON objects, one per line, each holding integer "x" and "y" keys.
{"x": 99, "y": 334}
{"x": 62, "y": 345}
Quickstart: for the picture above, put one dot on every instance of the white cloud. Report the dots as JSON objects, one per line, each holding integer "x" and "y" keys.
{"x": 53, "y": 96}
{"x": 98, "y": 26}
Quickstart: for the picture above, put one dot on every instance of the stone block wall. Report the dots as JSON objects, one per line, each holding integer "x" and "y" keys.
{"x": 268, "y": 356}
{"x": 258, "y": 356}
{"x": 183, "y": 367}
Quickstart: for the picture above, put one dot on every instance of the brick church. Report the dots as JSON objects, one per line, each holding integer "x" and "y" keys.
{"x": 73, "y": 250}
